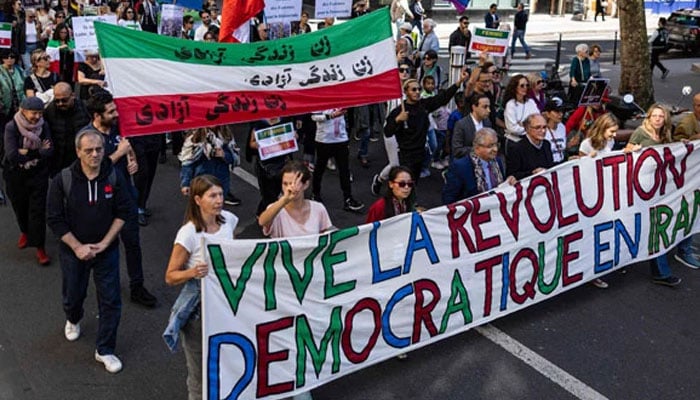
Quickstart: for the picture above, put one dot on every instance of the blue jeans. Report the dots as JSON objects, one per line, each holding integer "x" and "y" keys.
{"x": 26, "y": 58}
{"x": 131, "y": 238}
{"x": 519, "y": 35}
{"x": 364, "y": 142}
{"x": 76, "y": 277}
{"x": 660, "y": 267}
{"x": 439, "y": 144}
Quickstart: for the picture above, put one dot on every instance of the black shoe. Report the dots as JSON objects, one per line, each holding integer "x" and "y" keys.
{"x": 143, "y": 219}
{"x": 3, "y": 200}
{"x": 664, "y": 74}
{"x": 376, "y": 185}
{"x": 147, "y": 212}
{"x": 668, "y": 281}
{"x": 141, "y": 296}
{"x": 232, "y": 200}
{"x": 352, "y": 205}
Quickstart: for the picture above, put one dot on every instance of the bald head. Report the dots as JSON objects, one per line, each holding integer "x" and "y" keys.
{"x": 63, "y": 96}
{"x": 62, "y": 88}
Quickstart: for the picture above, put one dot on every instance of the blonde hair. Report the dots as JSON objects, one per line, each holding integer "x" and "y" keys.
{"x": 597, "y": 131}
{"x": 665, "y": 133}
{"x": 36, "y": 55}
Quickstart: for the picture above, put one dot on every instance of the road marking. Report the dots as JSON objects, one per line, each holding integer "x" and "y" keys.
{"x": 539, "y": 363}
{"x": 495, "y": 335}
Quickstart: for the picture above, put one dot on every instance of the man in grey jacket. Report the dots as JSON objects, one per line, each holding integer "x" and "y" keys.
{"x": 466, "y": 128}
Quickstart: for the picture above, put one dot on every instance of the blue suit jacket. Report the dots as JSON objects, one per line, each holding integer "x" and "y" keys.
{"x": 460, "y": 182}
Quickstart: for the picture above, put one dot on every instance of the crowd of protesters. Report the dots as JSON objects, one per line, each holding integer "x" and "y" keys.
{"x": 502, "y": 128}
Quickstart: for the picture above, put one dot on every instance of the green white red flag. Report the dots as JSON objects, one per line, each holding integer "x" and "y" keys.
{"x": 5, "y": 35}
{"x": 53, "y": 50}
{"x": 165, "y": 84}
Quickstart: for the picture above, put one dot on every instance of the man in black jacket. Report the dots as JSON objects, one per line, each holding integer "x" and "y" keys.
{"x": 66, "y": 115}
{"x": 533, "y": 154}
{"x": 409, "y": 122}
{"x": 461, "y": 36}
{"x": 86, "y": 210}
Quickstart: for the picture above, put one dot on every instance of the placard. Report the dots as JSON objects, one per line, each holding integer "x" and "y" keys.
{"x": 84, "y": 31}
{"x": 276, "y": 141}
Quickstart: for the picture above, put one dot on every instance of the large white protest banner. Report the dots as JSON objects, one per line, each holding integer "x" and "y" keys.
{"x": 286, "y": 315}
{"x": 282, "y": 10}
{"x": 84, "y": 31}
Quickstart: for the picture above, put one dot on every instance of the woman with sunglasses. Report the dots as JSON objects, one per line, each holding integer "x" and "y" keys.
{"x": 128, "y": 19}
{"x": 91, "y": 74}
{"x": 28, "y": 36}
{"x": 62, "y": 48}
{"x": 536, "y": 91}
{"x": 41, "y": 81}
{"x": 518, "y": 108}
{"x": 302, "y": 26}
{"x": 398, "y": 199}
{"x": 11, "y": 85}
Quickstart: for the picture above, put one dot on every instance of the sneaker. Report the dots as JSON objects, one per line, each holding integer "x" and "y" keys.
{"x": 443, "y": 173}
{"x": 352, "y": 205}
{"x": 22, "y": 241}
{"x": 111, "y": 362}
{"x": 664, "y": 74}
{"x": 331, "y": 165}
{"x": 437, "y": 165}
{"x": 376, "y": 186}
{"x": 599, "y": 283}
{"x": 373, "y": 138}
{"x": 140, "y": 295}
{"x": 231, "y": 200}
{"x": 402, "y": 356}
{"x": 363, "y": 162}
{"x": 42, "y": 257}
{"x": 528, "y": 56}
{"x": 668, "y": 281}
{"x": 147, "y": 212}
{"x": 425, "y": 173}
{"x": 72, "y": 331}
{"x": 688, "y": 260}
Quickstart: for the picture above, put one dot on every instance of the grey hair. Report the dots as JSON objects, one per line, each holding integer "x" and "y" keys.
{"x": 430, "y": 22}
{"x": 87, "y": 132}
{"x": 483, "y": 133}
{"x": 581, "y": 47}
{"x": 529, "y": 118}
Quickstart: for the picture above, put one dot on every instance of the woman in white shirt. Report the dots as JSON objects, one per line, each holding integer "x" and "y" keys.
{"x": 205, "y": 219}
{"x": 518, "y": 108}
{"x": 601, "y": 137}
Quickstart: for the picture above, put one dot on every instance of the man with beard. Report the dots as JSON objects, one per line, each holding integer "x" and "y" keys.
{"x": 66, "y": 115}
{"x": 104, "y": 114}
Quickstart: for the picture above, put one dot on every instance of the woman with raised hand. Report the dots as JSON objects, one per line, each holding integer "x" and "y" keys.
{"x": 204, "y": 218}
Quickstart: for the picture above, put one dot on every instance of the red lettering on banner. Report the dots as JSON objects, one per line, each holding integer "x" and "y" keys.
{"x": 614, "y": 162}
{"x": 654, "y": 156}
{"x": 563, "y": 221}
{"x": 529, "y": 286}
{"x": 567, "y": 257}
{"x": 578, "y": 189}
{"x": 457, "y": 229}
{"x": 512, "y": 220}
{"x": 487, "y": 266}
{"x": 545, "y": 226}
{"x": 365, "y": 304}
{"x": 422, "y": 311}
{"x": 266, "y": 357}
{"x": 479, "y": 218}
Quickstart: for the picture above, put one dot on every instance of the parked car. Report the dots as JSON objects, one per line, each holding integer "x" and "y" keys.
{"x": 684, "y": 30}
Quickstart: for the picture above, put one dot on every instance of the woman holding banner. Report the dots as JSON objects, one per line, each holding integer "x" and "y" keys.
{"x": 398, "y": 199}
{"x": 204, "y": 218}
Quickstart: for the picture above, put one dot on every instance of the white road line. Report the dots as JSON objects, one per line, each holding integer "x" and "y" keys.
{"x": 517, "y": 349}
{"x": 539, "y": 363}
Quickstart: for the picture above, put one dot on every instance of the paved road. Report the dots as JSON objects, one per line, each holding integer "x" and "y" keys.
{"x": 633, "y": 340}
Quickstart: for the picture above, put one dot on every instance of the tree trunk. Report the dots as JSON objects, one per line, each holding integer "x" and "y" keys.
{"x": 635, "y": 74}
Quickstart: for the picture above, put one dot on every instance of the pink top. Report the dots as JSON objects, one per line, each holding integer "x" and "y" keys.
{"x": 285, "y": 226}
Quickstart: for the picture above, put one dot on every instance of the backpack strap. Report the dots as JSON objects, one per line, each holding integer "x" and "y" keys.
{"x": 66, "y": 182}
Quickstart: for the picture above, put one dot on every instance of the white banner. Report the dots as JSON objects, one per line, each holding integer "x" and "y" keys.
{"x": 284, "y": 316}
{"x": 84, "y": 31}
{"x": 282, "y": 10}
{"x": 333, "y": 8}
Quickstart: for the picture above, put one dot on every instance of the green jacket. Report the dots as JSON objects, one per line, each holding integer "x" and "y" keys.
{"x": 6, "y": 81}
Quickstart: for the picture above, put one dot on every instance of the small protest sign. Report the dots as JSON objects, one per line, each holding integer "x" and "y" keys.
{"x": 276, "y": 141}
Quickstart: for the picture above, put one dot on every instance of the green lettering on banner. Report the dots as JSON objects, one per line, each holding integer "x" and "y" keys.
{"x": 270, "y": 277}
{"x": 682, "y": 220}
{"x": 542, "y": 286}
{"x": 305, "y": 341}
{"x": 696, "y": 207}
{"x": 329, "y": 259}
{"x": 664, "y": 214}
{"x": 301, "y": 283}
{"x": 233, "y": 293}
{"x": 651, "y": 245}
{"x": 457, "y": 291}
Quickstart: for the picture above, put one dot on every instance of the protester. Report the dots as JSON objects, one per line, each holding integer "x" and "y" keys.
{"x": 128, "y": 19}
{"x": 148, "y": 10}
{"x": 689, "y": 126}
{"x": 187, "y": 25}
{"x": 658, "y": 42}
{"x": 11, "y": 85}
{"x": 437, "y": 131}
{"x": 14, "y": 12}
{"x": 555, "y": 130}
{"x": 28, "y": 146}
{"x": 28, "y": 36}
{"x": 461, "y": 36}
{"x": 360, "y": 8}
{"x": 430, "y": 67}
{"x": 416, "y": 8}
{"x": 594, "y": 60}
{"x": 66, "y": 51}
{"x": 599, "y": 10}
{"x": 91, "y": 74}
{"x": 302, "y": 26}
{"x": 398, "y": 199}
{"x": 480, "y": 171}
{"x": 536, "y": 91}
{"x": 579, "y": 123}
{"x": 147, "y": 149}
{"x": 41, "y": 80}
{"x": 86, "y": 216}
{"x": 465, "y": 129}
{"x": 205, "y": 17}
{"x": 481, "y": 83}
{"x": 520, "y": 23}
{"x": 205, "y": 218}
{"x": 65, "y": 115}
{"x": 332, "y": 141}
{"x": 532, "y": 154}
{"x": 579, "y": 72}
{"x": 103, "y": 110}
{"x": 656, "y": 129}
{"x": 518, "y": 108}
{"x": 601, "y": 137}
{"x": 65, "y": 7}
{"x": 491, "y": 19}
{"x": 430, "y": 40}
{"x": 399, "y": 11}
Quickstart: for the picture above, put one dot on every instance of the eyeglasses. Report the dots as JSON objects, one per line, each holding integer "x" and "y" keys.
{"x": 403, "y": 184}
{"x": 12, "y": 56}
{"x": 97, "y": 150}
{"x": 45, "y": 58}
{"x": 428, "y": 58}
{"x": 404, "y": 70}
{"x": 493, "y": 145}
{"x": 265, "y": 30}
{"x": 538, "y": 127}
{"x": 539, "y": 82}
{"x": 485, "y": 81}
{"x": 129, "y": 12}
{"x": 524, "y": 85}
{"x": 413, "y": 89}
{"x": 61, "y": 100}
{"x": 60, "y": 16}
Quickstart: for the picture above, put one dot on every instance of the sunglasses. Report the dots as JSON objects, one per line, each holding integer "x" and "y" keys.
{"x": 524, "y": 85}
{"x": 12, "y": 56}
{"x": 414, "y": 89}
{"x": 61, "y": 101}
{"x": 45, "y": 58}
{"x": 404, "y": 70}
{"x": 403, "y": 184}
{"x": 60, "y": 16}
{"x": 539, "y": 82}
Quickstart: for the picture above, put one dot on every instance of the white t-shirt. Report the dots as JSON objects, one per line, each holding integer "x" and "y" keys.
{"x": 285, "y": 226}
{"x": 587, "y": 148}
{"x": 557, "y": 138}
{"x": 191, "y": 240}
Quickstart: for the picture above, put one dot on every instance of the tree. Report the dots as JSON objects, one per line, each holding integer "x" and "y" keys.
{"x": 635, "y": 74}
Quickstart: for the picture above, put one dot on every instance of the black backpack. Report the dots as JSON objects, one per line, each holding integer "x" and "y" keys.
{"x": 67, "y": 182}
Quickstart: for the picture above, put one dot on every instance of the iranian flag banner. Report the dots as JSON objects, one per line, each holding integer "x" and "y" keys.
{"x": 165, "y": 84}
{"x": 5, "y": 35}
{"x": 53, "y": 49}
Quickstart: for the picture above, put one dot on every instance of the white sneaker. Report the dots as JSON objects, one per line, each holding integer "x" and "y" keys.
{"x": 72, "y": 331}
{"x": 111, "y": 362}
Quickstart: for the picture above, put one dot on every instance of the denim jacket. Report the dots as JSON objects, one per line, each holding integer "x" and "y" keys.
{"x": 186, "y": 307}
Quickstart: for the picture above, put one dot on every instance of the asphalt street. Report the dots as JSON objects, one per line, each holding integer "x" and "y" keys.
{"x": 633, "y": 340}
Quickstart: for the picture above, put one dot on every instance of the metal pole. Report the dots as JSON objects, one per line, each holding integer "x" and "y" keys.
{"x": 615, "y": 49}
{"x": 558, "y": 54}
